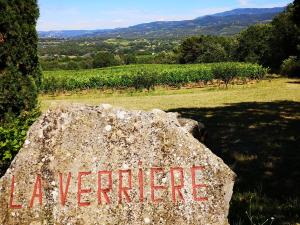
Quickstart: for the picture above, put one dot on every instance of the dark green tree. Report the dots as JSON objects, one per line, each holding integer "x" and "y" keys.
{"x": 274, "y": 43}
{"x": 129, "y": 59}
{"x": 165, "y": 58}
{"x": 20, "y": 76}
{"x": 206, "y": 49}
{"x": 189, "y": 50}
{"x": 285, "y": 38}
{"x": 104, "y": 59}
{"x": 254, "y": 44}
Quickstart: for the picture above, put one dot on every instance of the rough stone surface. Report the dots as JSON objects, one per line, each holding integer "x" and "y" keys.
{"x": 197, "y": 129}
{"x": 81, "y": 138}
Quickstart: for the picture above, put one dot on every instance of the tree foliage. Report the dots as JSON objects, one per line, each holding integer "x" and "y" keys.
{"x": 20, "y": 76}
{"x": 290, "y": 66}
{"x": 19, "y": 69}
{"x": 129, "y": 59}
{"x": 275, "y": 45}
{"x": 104, "y": 59}
{"x": 296, "y": 12}
{"x": 254, "y": 44}
{"x": 206, "y": 49}
{"x": 285, "y": 38}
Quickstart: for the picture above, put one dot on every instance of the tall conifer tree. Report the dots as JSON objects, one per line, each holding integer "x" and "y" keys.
{"x": 20, "y": 75}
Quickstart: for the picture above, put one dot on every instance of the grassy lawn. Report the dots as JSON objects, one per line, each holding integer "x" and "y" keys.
{"x": 254, "y": 128}
{"x": 265, "y": 91}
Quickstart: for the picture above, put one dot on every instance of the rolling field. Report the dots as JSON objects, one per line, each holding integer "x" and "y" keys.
{"x": 253, "y": 127}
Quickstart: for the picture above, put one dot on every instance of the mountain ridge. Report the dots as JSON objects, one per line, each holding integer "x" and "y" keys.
{"x": 224, "y": 23}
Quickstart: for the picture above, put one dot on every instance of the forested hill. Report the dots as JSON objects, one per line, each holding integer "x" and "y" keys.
{"x": 226, "y": 23}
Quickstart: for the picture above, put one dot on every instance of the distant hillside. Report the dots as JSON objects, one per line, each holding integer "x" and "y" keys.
{"x": 250, "y": 11}
{"x": 225, "y": 23}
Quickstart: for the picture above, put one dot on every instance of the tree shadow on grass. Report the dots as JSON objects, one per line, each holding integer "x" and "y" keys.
{"x": 261, "y": 143}
{"x": 294, "y": 82}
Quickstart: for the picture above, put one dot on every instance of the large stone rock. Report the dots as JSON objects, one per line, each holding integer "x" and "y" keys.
{"x": 104, "y": 165}
{"x": 197, "y": 129}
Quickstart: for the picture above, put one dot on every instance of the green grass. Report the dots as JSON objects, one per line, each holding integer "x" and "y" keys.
{"x": 264, "y": 91}
{"x": 254, "y": 128}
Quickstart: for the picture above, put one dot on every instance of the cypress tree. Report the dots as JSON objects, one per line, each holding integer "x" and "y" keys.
{"x": 296, "y": 13}
{"x": 20, "y": 76}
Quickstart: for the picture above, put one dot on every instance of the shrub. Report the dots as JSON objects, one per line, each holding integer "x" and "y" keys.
{"x": 12, "y": 136}
{"x": 144, "y": 79}
{"x": 225, "y": 72}
{"x": 229, "y": 71}
{"x": 291, "y": 67}
{"x": 104, "y": 59}
{"x": 129, "y": 59}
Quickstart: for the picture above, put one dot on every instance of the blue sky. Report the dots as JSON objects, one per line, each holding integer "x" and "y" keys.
{"x": 100, "y": 14}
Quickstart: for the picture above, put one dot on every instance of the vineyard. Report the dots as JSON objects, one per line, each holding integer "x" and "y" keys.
{"x": 148, "y": 76}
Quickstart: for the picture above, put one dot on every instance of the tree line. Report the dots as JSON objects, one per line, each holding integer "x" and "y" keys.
{"x": 275, "y": 45}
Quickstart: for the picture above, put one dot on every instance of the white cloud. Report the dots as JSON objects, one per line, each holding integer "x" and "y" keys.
{"x": 244, "y": 3}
